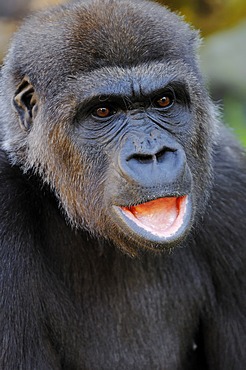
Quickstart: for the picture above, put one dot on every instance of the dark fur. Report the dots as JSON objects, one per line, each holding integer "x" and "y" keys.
{"x": 69, "y": 299}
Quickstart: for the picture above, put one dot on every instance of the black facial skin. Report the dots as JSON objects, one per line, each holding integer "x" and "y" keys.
{"x": 104, "y": 117}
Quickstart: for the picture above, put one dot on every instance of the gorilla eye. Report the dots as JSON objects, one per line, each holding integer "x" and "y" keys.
{"x": 103, "y": 112}
{"x": 165, "y": 101}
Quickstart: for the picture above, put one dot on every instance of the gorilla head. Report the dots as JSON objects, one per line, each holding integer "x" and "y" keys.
{"x": 109, "y": 109}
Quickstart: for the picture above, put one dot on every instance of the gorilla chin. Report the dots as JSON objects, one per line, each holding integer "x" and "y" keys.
{"x": 159, "y": 223}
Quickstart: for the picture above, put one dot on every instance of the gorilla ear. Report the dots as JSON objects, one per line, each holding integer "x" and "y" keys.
{"x": 25, "y": 103}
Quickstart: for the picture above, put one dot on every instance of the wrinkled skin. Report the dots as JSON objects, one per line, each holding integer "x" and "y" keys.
{"x": 122, "y": 198}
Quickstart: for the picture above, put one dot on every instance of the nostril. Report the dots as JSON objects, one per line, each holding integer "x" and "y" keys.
{"x": 164, "y": 154}
{"x": 142, "y": 158}
{"x": 160, "y": 155}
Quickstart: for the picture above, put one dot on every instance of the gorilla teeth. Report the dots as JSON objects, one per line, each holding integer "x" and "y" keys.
{"x": 162, "y": 217}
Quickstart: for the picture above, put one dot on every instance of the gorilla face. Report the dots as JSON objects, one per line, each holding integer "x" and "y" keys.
{"x": 135, "y": 126}
{"x": 126, "y": 121}
{"x": 140, "y": 123}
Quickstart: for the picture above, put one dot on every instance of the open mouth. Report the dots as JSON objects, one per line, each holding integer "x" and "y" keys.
{"x": 162, "y": 217}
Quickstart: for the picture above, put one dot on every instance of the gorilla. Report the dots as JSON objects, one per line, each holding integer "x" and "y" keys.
{"x": 123, "y": 208}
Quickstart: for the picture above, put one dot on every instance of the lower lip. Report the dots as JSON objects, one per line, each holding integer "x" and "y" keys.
{"x": 166, "y": 230}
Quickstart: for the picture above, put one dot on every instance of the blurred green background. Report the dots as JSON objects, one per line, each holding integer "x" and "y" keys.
{"x": 223, "y": 52}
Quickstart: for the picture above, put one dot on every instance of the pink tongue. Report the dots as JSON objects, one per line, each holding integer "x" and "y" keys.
{"x": 158, "y": 214}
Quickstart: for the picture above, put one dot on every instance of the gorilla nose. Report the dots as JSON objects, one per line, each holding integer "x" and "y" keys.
{"x": 155, "y": 166}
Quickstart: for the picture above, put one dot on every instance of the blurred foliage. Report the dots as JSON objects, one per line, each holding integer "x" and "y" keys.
{"x": 223, "y": 54}
{"x": 234, "y": 116}
{"x": 223, "y": 58}
{"x": 11, "y": 14}
{"x": 210, "y": 15}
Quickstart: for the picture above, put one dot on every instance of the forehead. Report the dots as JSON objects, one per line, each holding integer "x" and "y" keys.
{"x": 109, "y": 33}
{"x": 92, "y": 35}
{"x": 117, "y": 80}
